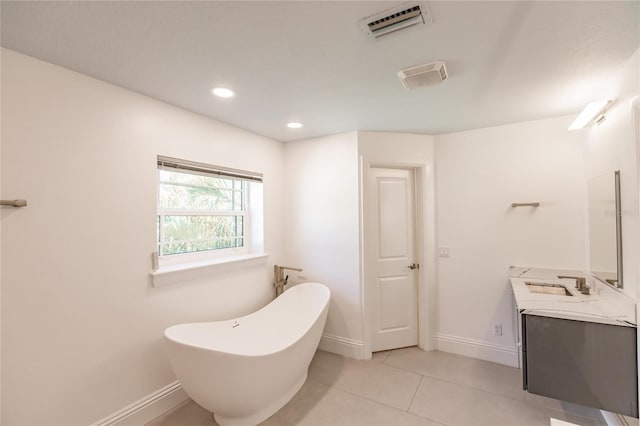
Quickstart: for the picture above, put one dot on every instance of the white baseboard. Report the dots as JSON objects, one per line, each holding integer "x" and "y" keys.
{"x": 342, "y": 346}
{"x": 506, "y": 355}
{"x": 147, "y": 408}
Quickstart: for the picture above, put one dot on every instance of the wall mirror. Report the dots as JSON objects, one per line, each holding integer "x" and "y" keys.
{"x": 605, "y": 229}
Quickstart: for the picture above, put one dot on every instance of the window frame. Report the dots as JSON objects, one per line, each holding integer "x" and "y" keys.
{"x": 195, "y": 168}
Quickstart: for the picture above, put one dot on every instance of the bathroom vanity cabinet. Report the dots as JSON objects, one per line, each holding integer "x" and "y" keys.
{"x": 576, "y": 347}
{"x": 588, "y": 363}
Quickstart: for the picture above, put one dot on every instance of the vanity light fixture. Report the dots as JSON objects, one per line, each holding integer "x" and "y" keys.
{"x": 222, "y": 92}
{"x": 589, "y": 113}
{"x": 294, "y": 125}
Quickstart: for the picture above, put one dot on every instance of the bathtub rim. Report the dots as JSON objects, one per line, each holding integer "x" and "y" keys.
{"x": 244, "y": 355}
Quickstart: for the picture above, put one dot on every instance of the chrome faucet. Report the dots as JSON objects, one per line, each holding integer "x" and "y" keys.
{"x": 581, "y": 283}
{"x": 280, "y": 281}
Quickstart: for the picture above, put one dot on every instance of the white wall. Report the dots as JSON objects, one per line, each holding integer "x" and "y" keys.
{"x": 407, "y": 151}
{"x": 479, "y": 174}
{"x": 611, "y": 146}
{"x": 81, "y": 325}
{"x": 322, "y": 230}
{"x": 322, "y": 216}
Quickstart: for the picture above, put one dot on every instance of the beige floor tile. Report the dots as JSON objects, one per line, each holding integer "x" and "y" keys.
{"x": 566, "y": 407}
{"x": 373, "y": 380}
{"x": 187, "y": 414}
{"x": 455, "y": 391}
{"x": 380, "y": 356}
{"x": 457, "y": 405}
{"x": 484, "y": 375}
{"x": 632, "y": 421}
{"x": 319, "y": 405}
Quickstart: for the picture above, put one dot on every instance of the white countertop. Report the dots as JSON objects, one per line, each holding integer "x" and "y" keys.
{"x": 606, "y": 305}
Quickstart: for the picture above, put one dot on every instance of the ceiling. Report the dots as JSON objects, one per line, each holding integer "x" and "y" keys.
{"x": 310, "y": 61}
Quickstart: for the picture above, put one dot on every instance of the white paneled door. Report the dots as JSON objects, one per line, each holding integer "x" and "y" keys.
{"x": 393, "y": 274}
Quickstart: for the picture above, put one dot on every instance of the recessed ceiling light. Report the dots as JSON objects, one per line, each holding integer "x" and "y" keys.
{"x": 222, "y": 92}
{"x": 294, "y": 125}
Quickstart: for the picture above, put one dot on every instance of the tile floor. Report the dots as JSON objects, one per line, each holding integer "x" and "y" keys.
{"x": 407, "y": 387}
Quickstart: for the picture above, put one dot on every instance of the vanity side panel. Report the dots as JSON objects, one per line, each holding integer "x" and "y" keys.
{"x": 584, "y": 362}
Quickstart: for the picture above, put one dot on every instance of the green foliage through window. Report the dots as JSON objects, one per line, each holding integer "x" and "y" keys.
{"x": 198, "y": 212}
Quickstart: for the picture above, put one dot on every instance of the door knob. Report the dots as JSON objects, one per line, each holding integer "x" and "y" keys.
{"x": 414, "y": 266}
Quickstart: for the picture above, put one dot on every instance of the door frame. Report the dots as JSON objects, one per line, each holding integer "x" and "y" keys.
{"x": 425, "y": 248}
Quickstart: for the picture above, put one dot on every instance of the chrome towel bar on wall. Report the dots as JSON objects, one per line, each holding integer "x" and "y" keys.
{"x": 525, "y": 204}
{"x": 13, "y": 203}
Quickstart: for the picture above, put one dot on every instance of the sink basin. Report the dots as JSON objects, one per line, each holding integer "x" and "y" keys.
{"x": 547, "y": 288}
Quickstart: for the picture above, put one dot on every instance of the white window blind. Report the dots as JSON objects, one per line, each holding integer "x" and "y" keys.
{"x": 175, "y": 164}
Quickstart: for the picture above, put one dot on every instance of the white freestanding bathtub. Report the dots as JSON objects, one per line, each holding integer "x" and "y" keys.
{"x": 244, "y": 370}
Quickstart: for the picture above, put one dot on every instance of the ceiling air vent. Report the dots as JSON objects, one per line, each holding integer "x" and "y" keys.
{"x": 423, "y": 75}
{"x": 395, "y": 19}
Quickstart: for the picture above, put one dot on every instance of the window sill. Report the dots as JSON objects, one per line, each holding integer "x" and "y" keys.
{"x": 174, "y": 274}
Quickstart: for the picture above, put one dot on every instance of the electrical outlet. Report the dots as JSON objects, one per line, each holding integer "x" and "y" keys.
{"x": 443, "y": 252}
{"x": 497, "y": 329}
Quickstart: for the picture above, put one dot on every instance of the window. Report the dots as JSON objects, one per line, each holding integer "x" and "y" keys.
{"x": 203, "y": 210}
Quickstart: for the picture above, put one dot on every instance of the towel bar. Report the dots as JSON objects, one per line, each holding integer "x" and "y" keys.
{"x": 13, "y": 203}
{"x": 525, "y": 204}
